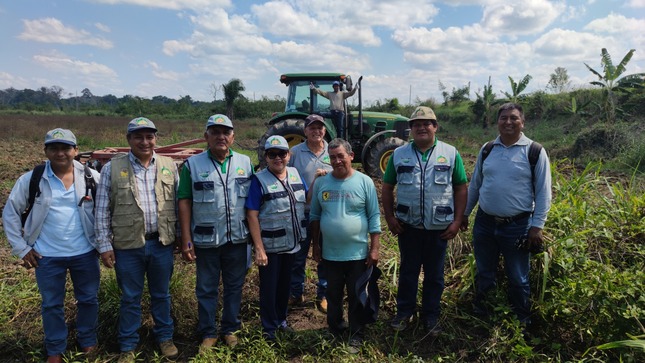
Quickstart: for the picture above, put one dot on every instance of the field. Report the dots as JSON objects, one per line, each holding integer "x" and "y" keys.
{"x": 587, "y": 289}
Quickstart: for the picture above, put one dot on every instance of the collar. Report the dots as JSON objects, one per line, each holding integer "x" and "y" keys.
{"x": 134, "y": 159}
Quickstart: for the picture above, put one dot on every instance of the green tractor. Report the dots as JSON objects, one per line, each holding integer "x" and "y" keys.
{"x": 373, "y": 135}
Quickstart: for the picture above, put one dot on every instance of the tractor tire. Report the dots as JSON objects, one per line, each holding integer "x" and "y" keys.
{"x": 377, "y": 157}
{"x": 293, "y": 130}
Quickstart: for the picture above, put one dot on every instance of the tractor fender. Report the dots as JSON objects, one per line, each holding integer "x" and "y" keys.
{"x": 374, "y": 139}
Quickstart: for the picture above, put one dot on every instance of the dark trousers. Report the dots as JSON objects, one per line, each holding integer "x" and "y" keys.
{"x": 421, "y": 248}
{"x": 343, "y": 275}
{"x": 275, "y": 282}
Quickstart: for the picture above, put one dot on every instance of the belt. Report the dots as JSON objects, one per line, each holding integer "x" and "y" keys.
{"x": 507, "y": 220}
{"x": 151, "y": 235}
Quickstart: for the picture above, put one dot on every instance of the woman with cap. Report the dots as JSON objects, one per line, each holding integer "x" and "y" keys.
{"x": 275, "y": 210}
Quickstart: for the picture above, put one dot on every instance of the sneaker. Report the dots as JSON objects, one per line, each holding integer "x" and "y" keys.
{"x": 399, "y": 323}
{"x": 207, "y": 344}
{"x": 432, "y": 327}
{"x": 168, "y": 349}
{"x": 127, "y": 357}
{"x": 355, "y": 344}
{"x": 296, "y": 301}
{"x": 230, "y": 340}
{"x": 321, "y": 304}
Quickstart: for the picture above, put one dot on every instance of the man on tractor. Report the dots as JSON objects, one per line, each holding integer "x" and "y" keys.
{"x": 337, "y": 107}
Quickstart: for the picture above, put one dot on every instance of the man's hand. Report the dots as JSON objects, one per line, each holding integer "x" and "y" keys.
{"x": 261, "y": 258}
{"x": 394, "y": 224}
{"x": 464, "y": 224}
{"x": 187, "y": 251}
{"x": 535, "y": 237}
{"x": 108, "y": 259}
{"x": 452, "y": 230}
{"x": 311, "y": 85}
{"x": 316, "y": 252}
{"x": 372, "y": 257}
{"x": 31, "y": 259}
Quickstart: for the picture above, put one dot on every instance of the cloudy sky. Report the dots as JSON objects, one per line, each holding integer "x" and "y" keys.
{"x": 403, "y": 48}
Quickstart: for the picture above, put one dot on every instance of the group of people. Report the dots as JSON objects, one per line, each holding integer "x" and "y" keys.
{"x": 216, "y": 210}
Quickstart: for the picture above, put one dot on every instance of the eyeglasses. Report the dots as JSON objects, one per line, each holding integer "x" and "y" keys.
{"x": 281, "y": 154}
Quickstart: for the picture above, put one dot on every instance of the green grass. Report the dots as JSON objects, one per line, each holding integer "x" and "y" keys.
{"x": 586, "y": 288}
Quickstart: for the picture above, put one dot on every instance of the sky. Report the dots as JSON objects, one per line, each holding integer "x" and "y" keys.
{"x": 402, "y": 48}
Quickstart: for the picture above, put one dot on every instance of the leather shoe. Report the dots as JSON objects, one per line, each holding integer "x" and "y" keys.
{"x": 55, "y": 359}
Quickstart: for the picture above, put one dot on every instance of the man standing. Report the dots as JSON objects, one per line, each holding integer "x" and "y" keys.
{"x": 337, "y": 107}
{"x": 57, "y": 236}
{"x": 136, "y": 223}
{"x": 344, "y": 207}
{"x": 514, "y": 198}
{"x": 213, "y": 189}
{"x": 431, "y": 198}
{"x": 309, "y": 158}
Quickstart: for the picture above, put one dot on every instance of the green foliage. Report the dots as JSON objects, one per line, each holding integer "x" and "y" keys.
{"x": 517, "y": 88}
{"x": 232, "y": 91}
{"x": 559, "y": 80}
{"x": 611, "y": 83}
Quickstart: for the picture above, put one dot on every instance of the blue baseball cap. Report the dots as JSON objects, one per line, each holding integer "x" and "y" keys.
{"x": 62, "y": 136}
{"x": 140, "y": 123}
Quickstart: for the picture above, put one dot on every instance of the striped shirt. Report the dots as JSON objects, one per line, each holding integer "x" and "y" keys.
{"x": 145, "y": 180}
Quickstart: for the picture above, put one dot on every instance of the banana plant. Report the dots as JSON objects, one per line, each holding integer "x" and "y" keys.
{"x": 517, "y": 88}
{"x": 611, "y": 83}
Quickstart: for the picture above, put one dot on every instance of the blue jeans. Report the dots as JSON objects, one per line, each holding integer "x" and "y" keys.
{"x": 154, "y": 261}
{"x": 491, "y": 239}
{"x": 228, "y": 261}
{"x": 51, "y": 275}
{"x": 275, "y": 279}
{"x": 298, "y": 271}
{"x": 421, "y": 247}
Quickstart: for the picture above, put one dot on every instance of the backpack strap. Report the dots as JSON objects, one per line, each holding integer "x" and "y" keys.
{"x": 34, "y": 190}
{"x": 534, "y": 155}
{"x": 90, "y": 186}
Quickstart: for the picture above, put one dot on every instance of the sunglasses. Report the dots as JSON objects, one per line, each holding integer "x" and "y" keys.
{"x": 281, "y": 154}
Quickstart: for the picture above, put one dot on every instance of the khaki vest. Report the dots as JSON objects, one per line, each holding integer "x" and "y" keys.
{"x": 128, "y": 227}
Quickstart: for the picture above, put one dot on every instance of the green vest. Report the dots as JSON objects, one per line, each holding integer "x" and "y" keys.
{"x": 128, "y": 227}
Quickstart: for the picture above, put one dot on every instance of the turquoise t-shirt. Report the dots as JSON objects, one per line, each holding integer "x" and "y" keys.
{"x": 348, "y": 211}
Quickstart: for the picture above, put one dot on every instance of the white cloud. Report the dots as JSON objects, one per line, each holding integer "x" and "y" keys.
{"x": 515, "y": 18}
{"x": 562, "y": 43}
{"x": 170, "y": 4}
{"x": 635, "y": 4}
{"x": 102, "y": 27}
{"x": 158, "y": 72}
{"x": 71, "y": 66}
{"x": 616, "y": 24}
{"x": 51, "y": 30}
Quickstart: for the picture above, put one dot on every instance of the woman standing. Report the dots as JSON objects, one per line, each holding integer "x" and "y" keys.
{"x": 275, "y": 210}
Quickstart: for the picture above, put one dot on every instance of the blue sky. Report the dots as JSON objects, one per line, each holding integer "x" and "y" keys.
{"x": 402, "y": 48}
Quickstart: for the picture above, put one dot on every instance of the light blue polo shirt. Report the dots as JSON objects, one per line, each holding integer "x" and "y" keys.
{"x": 62, "y": 232}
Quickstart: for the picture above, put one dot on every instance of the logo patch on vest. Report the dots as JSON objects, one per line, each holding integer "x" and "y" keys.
{"x": 240, "y": 171}
{"x": 124, "y": 173}
{"x": 203, "y": 175}
{"x": 405, "y": 161}
{"x": 273, "y": 186}
{"x": 441, "y": 159}
{"x": 326, "y": 160}
{"x": 293, "y": 178}
{"x": 166, "y": 171}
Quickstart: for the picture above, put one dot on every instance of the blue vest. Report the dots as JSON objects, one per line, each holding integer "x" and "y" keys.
{"x": 218, "y": 215}
{"x": 424, "y": 196}
{"x": 282, "y": 214}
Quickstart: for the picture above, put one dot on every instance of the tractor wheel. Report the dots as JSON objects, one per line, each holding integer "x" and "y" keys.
{"x": 376, "y": 159}
{"x": 293, "y": 130}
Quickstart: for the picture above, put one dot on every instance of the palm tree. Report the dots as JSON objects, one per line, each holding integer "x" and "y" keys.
{"x": 232, "y": 91}
{"x": 611, "y": 83}
{"x": 517, "y": 88}
{"x": 488, "y": 101}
